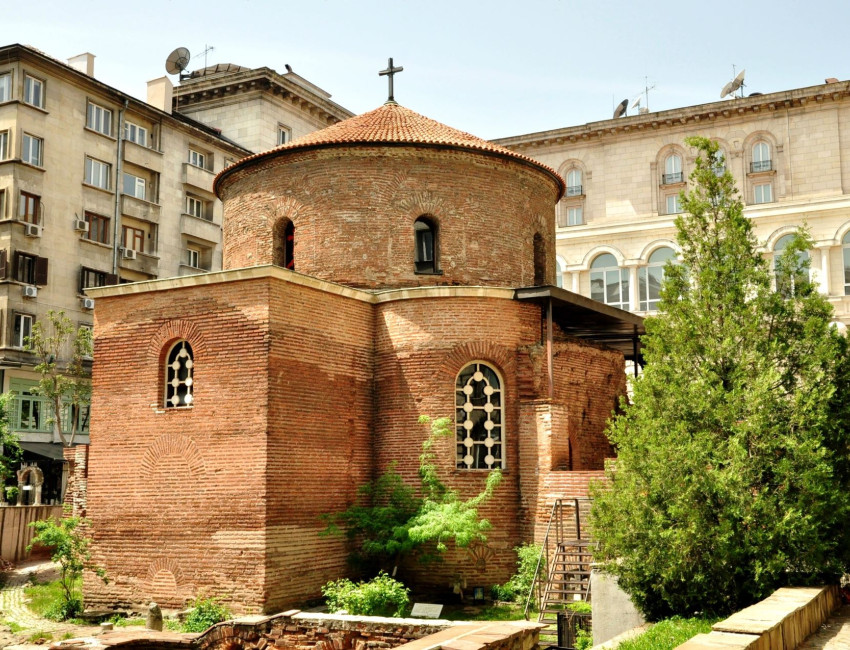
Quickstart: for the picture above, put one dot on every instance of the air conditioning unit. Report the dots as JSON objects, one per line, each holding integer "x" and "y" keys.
{"x": 88, "y": 303}
{"x": 29, "y": 291}
{"x": 32, "y": 230}
{"x": 129, "y": 254}
{"x": 81, "y": 225}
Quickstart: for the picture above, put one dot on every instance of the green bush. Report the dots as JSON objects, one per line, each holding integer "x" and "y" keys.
{"x": 205, "y": 613}
{"x": 516, "y": 589}
{"x": 668, "y": 634}
{"x": 380, "y": 596}
{"x": 584, "y": 639}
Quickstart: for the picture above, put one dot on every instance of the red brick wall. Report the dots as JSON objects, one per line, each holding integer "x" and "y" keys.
{"x": 354, "y": 209}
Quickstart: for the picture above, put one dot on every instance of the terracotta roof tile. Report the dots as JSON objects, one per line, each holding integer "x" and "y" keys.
{"x": 393, "y": 123}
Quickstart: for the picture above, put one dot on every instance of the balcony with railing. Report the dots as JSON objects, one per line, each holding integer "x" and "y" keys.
{"x": 575, "y": 190}
{"x": 672, "y": 179}
{"x": 761, "y": 166}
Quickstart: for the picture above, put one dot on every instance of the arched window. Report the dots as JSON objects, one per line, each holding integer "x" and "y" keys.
{"x": 425, "y": 255}
{"x": 788, "y": 283}
{"x": 478, "y": 402}
{"x": 539, "y": 260}
{"x": 651, "y": 276}
{"x": 720, "y": 163}
{"x": 284, "y": 244}
{"x": 559, "y": 278}
{"x": 761, "y": 158}
{"x": 608, "y": 282}
{"x": 179, "y": 372}
{"x": 574, "y": 185}
{"x": 846, "y": 250}
{"x": 673, "y": 169}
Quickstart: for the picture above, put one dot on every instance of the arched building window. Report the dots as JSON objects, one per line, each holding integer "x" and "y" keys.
{"x": 845, "y": 241}
{"x": 574, "y": 184}
{"x": 179, "y": 375}
{"x": 479, "y": 408}
{"x": 284, "y": 244}
{"x": 608, "y": 282}
{"x": 651, "y": 276}
{"x": 673, "y": 170}
{"x": 425, "y": 255}
{"x": 788, "y": 284}
{"x": 761, "y": 158}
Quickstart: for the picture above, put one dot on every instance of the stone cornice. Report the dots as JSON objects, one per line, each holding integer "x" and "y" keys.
{"x": 196, "y": 92}
{"x": 689, "y": 116}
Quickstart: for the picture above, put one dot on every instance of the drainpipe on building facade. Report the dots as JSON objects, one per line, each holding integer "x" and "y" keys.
{"x": 119, "y": 184}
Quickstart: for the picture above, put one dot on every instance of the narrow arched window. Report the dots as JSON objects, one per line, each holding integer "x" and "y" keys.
{"x": 574, "y": 185}
{"x": 673, "y": 169}
{"x": 179, "y": 375}
{"x": 846, "y": 252}
{"x": 539, "y": 260}
{"x": 651, "y": 276}
{"x": 761, "y": 158}
{"x": 478, "y": 401}
{"x": 284, "y": 244}
{"x": 790, "y": 281}
{"x": 608, "y": 282}
{"x": 425, "y": 236}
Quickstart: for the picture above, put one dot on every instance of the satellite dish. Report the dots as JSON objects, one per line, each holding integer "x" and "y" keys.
{"x": 733, "y": 85}
{"x": 636, "y": 103}
{"x": 621, "y": 109}
{"x": 177, "y": 61}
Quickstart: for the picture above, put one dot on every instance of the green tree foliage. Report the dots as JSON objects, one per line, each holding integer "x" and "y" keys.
{"x": 732, "y": 475}
{"x": 380, "y": 596}
{"x": 70, "y": 550}
{"x": 10, "y": 450}
{"x": 517, "y": 588}
{"x": 390, "y": 520}
{"x": 62, "y": 382}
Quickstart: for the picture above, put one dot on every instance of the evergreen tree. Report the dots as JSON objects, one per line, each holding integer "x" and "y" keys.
{"x": 733, "y": 468}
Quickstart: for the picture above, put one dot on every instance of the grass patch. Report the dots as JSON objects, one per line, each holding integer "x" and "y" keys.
{"x": 123, "y": 621}
{"x": 669, "y": 633}
{"x": 500, "y": 612}
{"x": 47, "y": 600}
{"x": 39, "y": 637}
{"x": 14, "y": 628}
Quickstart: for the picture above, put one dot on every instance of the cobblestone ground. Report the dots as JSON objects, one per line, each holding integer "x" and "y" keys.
{"x": 832, "y": 635}
{"x": 14, "y": 610}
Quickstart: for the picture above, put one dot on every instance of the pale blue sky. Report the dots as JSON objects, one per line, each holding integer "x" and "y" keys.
{"x": 497, "y": 68}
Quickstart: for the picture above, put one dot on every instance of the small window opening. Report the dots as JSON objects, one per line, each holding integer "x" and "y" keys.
{"x": 284, "y": 244}
{"x": 179, "y": 375}
{"x": 426, "y": 245}
{"x": 539, "y": 260}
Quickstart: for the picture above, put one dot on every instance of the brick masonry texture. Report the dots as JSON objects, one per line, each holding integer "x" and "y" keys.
{"x": 305, "y": 390}
{"x": 353, "y": 212}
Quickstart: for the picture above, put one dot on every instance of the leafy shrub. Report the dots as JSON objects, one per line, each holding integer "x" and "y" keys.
{"x": 668, "y": 634}
{"x": 580, "y": 607}
{"x": 205, "y": 613}
{"x": 516, "y": 589}
{"x": 63, "y": 609}
{"x": 584, "y": 639}
{"x": 380, "y": 596}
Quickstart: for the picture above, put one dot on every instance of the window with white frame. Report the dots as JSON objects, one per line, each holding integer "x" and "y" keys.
{"x": 135, "y": 133}
{"x": 651, "y": 276}
{"x": 608, "y": 282}
{"x": 720, "y": 163}
{"x": 574, "y": 183}
{"x": 135, "y": 186}
{"x": 673, "y": 170}
{"x": 789, "y": 281}
{"x": 674, "y": 204}
{"x": 4, "y": 145}
{"x": 284, "y": 135}
{"x": 478, "y": 420}
{"x": 761, "y": 158}
{"x": 197, "y": 158}
{"x": 98, "y": 173}
{"x": 99, "y": 119}
{"x": 33, "y": 91}
{"x": 845, "y": 246}
{"x": 5, "y": 86}
{"x": 21, "y": 330}
{"x": 575, "y": 215}
{"x": 196, "y": 207}
{"x": 32, "y": 150}
{"x": 179, "y": 375}
{"x": 763, "y": 193}
{"x": 193, "y": 257}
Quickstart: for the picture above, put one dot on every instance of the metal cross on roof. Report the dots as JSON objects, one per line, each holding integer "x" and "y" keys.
{"x": 390, "y": 71}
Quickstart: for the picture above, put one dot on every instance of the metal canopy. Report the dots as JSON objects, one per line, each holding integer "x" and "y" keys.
{"x": 588, "y": 319}
{"x": 50, "y": 450}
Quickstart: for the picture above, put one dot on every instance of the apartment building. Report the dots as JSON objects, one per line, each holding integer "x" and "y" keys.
{"x": 615, "y": 225}
{"x": 98, "y": 187}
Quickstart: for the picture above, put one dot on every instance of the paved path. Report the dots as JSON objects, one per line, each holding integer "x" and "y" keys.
{"x": 833, "y": 635}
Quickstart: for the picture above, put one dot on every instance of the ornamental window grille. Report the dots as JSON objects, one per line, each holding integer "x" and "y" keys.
{"x": 179, "y": 373}
{"x": 478, "y": 401}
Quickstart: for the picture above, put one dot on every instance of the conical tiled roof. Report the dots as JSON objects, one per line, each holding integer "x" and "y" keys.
{"x": 394, "y": 124}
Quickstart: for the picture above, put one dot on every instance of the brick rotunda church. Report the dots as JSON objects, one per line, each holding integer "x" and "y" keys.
{"x": 385, "y": 267}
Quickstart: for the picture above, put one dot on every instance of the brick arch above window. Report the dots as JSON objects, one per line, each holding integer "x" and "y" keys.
{"x": 502, "y": 359}
{"x": 171, "y": 331}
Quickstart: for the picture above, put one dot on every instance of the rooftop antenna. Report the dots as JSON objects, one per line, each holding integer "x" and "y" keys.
{"x": 207, "y": 50}
{"x": 643, "y": 96}
{"x": 732, "y": 86}
{"x": 621, "y": 108}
